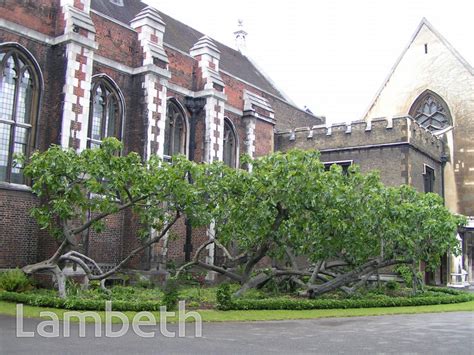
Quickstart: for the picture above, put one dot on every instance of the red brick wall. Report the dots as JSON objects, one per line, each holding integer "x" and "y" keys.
{"x": 177, "y": 239}
{"x": 40, "y": 15}
{"x": 106, "y": 247}
{"x": 131, "y": 241}
{"x": 117, "y": 42}
{"x": 263, "y": 138}
{"x": 234, "y": 89}
{"x": 18, "y": 231}
{"x": 181, "y": 68}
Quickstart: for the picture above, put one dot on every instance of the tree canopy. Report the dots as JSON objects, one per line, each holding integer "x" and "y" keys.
{"x": 284, "y": 208}
{"x": 288, "y": 205}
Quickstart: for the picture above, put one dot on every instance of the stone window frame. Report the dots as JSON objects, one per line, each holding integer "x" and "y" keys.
{"x": 24, "y": 61}
{"x": 444, "y": 109}
{"x": 107, "y": 83}
{"x": 429, "y": 178}
{"x": 172, "y": 104}
{"x": 234, "y": 163}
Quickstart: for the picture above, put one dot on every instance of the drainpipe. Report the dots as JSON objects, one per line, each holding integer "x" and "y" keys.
{"x": 444, "y": 159}
{"x": 195, "y": 106}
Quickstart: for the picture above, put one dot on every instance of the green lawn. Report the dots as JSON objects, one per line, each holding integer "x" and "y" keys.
{"x": 231, "y": 316}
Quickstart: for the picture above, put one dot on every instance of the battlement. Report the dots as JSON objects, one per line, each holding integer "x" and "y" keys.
{"x": 362, "y": 134}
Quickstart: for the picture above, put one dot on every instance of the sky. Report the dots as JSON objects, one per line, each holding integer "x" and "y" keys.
{"x": 333, "y": 55}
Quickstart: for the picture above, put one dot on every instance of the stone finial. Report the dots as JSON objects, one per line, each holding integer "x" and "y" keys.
{"x": 148, "y": 16}
{"x": 205, "y": 45}
{"x": 151, "y": 29}
{"x": 207, "y": 56}
{"x": 240, "y": 37}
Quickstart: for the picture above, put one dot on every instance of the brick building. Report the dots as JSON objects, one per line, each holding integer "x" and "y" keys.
{"x": 76, "y": 71}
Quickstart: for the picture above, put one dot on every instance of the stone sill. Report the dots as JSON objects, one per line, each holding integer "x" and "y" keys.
{"x": 14, "y": 187}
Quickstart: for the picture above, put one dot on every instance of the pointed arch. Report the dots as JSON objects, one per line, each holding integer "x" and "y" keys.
{"x": 230, "y": 154}
{"x": 21, "y": 87}
{"x": 106, "y": 113}
{"x": 176, "y": 140}
{"x": 431, "y": 111}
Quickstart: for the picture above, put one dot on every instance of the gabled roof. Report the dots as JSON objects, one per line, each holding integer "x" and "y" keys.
{"x": 183, "y": 37}
{"x": 424, "y": 22}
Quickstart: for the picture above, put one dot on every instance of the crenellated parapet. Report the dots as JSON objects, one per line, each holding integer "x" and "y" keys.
{"x": 378, "y": 132}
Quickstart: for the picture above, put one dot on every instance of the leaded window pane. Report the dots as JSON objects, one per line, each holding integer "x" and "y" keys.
{"x": 98, "y": 110}
{"x": 25, "y": 92}
{"x": 112, "y": 117}
{"x": 178, "y": 135}
{"x": 229, "y": 154}
{"x": 19, "y": 147}
{"x": 4, "y": 149}
{"x": 7, "y": 90}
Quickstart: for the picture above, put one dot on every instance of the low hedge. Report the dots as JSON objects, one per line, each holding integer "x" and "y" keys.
{"x": 74, "y": 303}
{"x": 453, "y": 296}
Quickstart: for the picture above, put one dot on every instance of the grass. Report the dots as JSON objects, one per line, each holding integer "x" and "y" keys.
{"x": 7, "y": 308}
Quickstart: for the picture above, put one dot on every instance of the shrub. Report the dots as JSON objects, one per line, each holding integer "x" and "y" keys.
{"x": 74, "y": 303}
{"x": 282, "y": 285}
{"x": 171, "y": 296}
{"x": 392, "y": 285}
{"x": 144, "y": 283}
{"x": 385, "y": 301}
{"x": 224, "y": 297}
{"x": 72, "y": 287}
{"x": 14, "y": 281}
{"x": 124, "y": 293}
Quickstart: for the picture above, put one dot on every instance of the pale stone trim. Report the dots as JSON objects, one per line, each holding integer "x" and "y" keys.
{"x": 233, "y": 110}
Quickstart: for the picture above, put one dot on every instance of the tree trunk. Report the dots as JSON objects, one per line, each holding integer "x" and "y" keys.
{"x": 349, "y": 277}
{"x": 253, "y": 283}
{"x": 60, "y": 281}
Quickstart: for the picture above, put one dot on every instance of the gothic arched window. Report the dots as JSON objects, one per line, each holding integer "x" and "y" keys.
{"x": 19, "y": 101}
{"x": 430, "y": 111}
{"x": 175, "y": 131}
{"x": 230, "y": 145}
{"x": 106, "y": 111}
